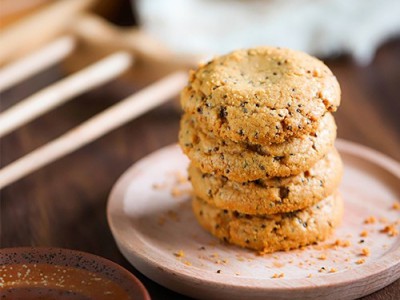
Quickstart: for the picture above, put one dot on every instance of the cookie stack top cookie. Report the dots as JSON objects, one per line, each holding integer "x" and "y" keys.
{"x": 262, "y": 95}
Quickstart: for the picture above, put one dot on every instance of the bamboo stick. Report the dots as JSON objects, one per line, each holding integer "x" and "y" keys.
{"x": 39, "y": 28}
{"x": 115, "y": 116}
{"x": 63, "y": 90}
{"x": 36, "y": 62}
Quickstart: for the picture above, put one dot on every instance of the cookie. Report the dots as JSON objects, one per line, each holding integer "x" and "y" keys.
{"x": 270, "y": 196}
{"x": 243, "y": 162}
{"x": 261, "y": 95}
{"x": 270, "y": 233}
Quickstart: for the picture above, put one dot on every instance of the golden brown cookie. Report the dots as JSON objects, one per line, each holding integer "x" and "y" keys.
{"x": 270, "y": 196}
{"x": 243, "y": 162}
{"x": 269, "y": 233}
{"x": 261, "y": 95}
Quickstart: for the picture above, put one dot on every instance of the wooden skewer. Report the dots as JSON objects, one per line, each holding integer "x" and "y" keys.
{"x": 39, "y": 28}
{"x": 36, "y": 62}
{"x": 96, "y": 31}
{"x": 113, "y": 117}
{"x": 63, "y": 90}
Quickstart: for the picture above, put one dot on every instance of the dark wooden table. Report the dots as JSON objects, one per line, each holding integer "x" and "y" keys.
{"x": 64, "y": 204}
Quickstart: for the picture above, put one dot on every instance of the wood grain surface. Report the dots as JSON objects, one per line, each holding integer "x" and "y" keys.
{"x": 64, "y": 204}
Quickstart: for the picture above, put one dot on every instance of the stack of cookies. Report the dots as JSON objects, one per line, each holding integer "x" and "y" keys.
{"x": 258, "y": 129}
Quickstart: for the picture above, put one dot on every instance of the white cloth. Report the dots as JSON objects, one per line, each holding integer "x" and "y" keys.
{"x": 319, "y": 27}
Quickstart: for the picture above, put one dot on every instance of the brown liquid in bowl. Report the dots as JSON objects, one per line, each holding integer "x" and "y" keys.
{"x": 29, "y": 281}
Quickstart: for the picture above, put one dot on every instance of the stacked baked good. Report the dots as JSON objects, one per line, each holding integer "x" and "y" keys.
{"x": 258, "y": 129}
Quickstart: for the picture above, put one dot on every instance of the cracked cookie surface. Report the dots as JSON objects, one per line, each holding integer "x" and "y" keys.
{"x": 270, "y": 233}
{"x": 244, "y": 162}
{"x": 270, "y": 196}
{"x": 261, "y": 95}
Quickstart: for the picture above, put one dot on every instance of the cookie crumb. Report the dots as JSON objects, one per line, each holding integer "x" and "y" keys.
{"x": 360, "y": 261}
{"x": 309, "y": 275}
{"x": 390, "y": 230}
{"x": 396, "y": 206}
{"x": 278, "y": 264}
{"x": 179, "y": 253}
{"x": 332, "y": 270}
{"x": 158, "y": 186}
{"x": 220, "y": 262}
{"x": 180, "y": 178}
{"x": 219, "y": 271}
{"x": 176, "y": 192}
{"x": 365, "y": 252}
{"x": 188, "y": 263}
{"x": 383, "y": 220}
{"x": 370, "y": 220}
{"x": 322, "y": 257}
{"x": 173, "y": 215}
{"x": 342, "y": 243}
{"x": 280, "y": 275}
{"x": 364, "y": 233}
{"x": 161, "y": 221}
{"x": 322, "y": 269}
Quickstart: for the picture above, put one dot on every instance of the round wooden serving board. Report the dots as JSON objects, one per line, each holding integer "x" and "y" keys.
{"x": 150, "y": 216}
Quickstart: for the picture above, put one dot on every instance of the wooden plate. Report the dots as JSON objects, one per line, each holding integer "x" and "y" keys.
{"x": 53, "y": 273}
{"x": 150, "y": 216}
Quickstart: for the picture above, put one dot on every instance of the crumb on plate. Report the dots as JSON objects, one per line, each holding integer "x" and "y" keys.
{"x": 396, "y": 206}
{"x": 370, "y": 220}
{"x": 179, "y": 253}
{"x": 360, "y": 261}
{"x": 342, "y": 243}
{"x": 280, "y": 275}
{"x": 332, "y": 270}
{"x": 365, "y": 252}
{"x": 391, "y": 230}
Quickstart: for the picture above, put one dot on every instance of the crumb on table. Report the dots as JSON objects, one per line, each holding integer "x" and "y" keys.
{"x": 173, "y": 215}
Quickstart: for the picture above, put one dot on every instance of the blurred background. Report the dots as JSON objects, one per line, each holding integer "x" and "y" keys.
{"x": 63, "y": 204}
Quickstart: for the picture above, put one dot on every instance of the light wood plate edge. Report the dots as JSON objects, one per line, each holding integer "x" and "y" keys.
{"x": 381, "y": 272}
